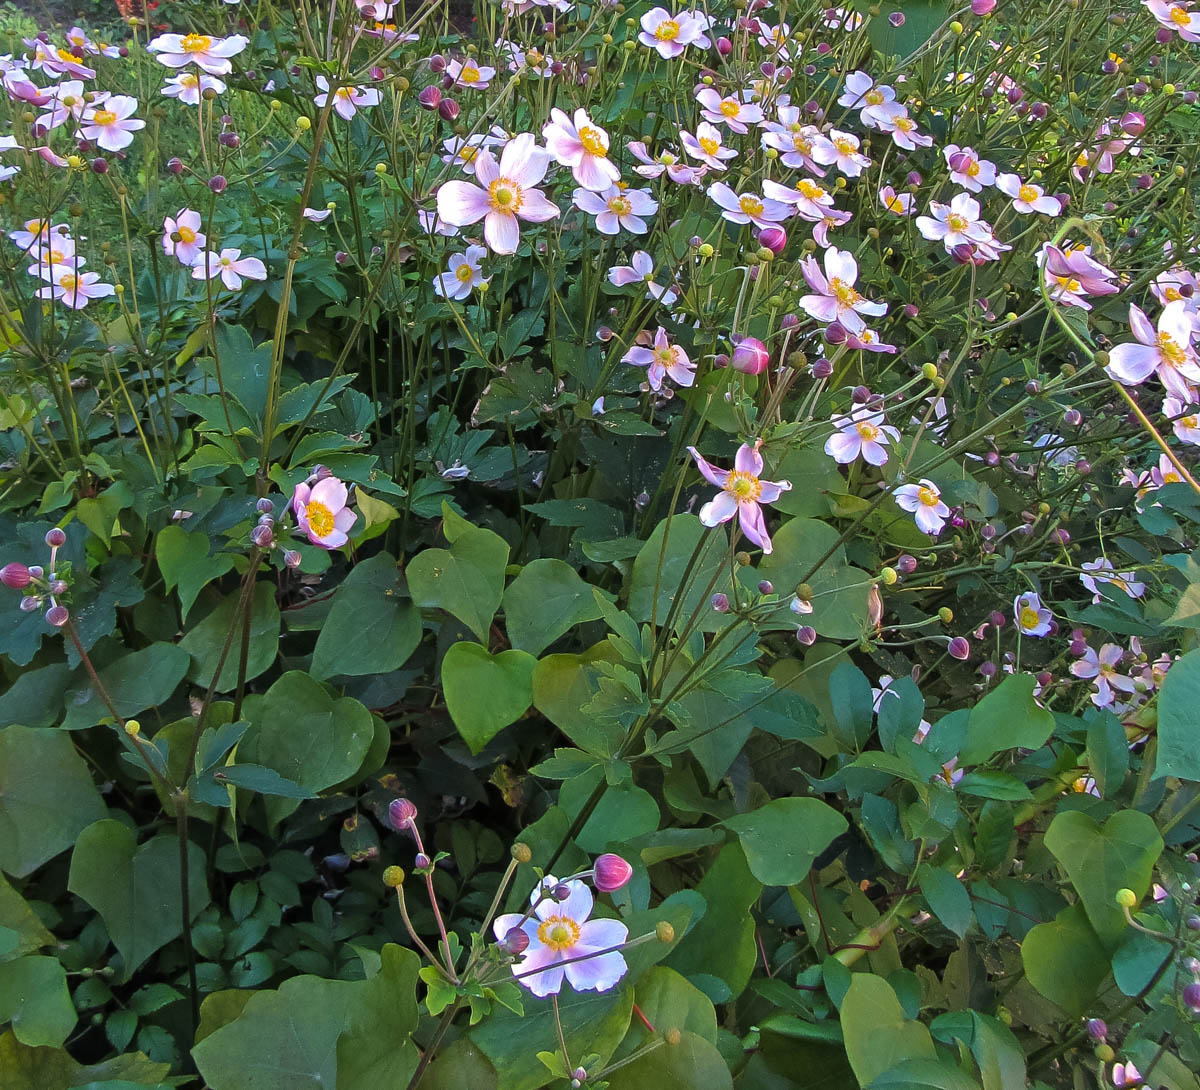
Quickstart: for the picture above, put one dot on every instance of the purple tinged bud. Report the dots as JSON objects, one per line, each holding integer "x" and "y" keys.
{"x": 437, "y": 63}
{"x": 1145, "y": 181}
{"x": 823, "y": 48}
{"x": 99, "y": 166}
{"x": 1192, "y": 923}
{"x": 611, "y": 873}
{"x": 1133, "y": 123}
{"x": 860, "y": 395}
{"x": 913, "y": 177}
{"x": 58, "y": 588}
{"x": 1163, "y": 36}
{"x": 217, "y": 183}
{"x": 1072, "y": 418}
{"x": 988, "y": 669}
{"x": 982, "y": 7}
{"x": 29, "y": 603}
{"x": 765, "y": 586}
{"x": 1096, "y": 1029}
{"x": 724, "y": 46}
{"x": 1189, "y": 98}
{"x": 55, "y": 538}
{"x": 292, "y": 559}
{"x": 1141, "y": 87}
{"x": 264, "y": 506}
{"x": 57, "y": 616}
{"x": 835, "y": 333}
{"x": 15, "y": 575}
{"x": 1191, "y": 997}
{"x": 123, "y": 51}
{"x": 402, "y": 813}
{"x": 262, "y": 536}
{"x": 448, "y": 109}
{"x": 773, "y": 238}
{"x": 910, "y": 310}
{"x": 906, "y": 564}
{"x": 806, "y": 635}
{"x": 1040, "y": 111}
{"x": 377, "y": 72}
{"x": 1060, "y": 536}
{"x": 1044, "y": 678}
{"x": 789, "y": 321}
{"x": 430, "y": 97}
{"x": 561, "y": 892}
{"x": 1015, "y": 94}
{"x": 515, "y": 942}
{"x": 36, "y": 571}
{"x": 175, "y": 165}
{"x": 750, "y": 356}
{"x": 767, "y": 68}
{"x": 1108, "y": 67}
{"x": 1078, "y": 647}
{"x": 896, "y": 18}
{"x": 987, "y": 531}
{"x": 959, "y": 648}
{"x": 421, "y": 861}
{"x": 720, "y": 603}
{"x": 341, "y": 257}
{"x": 992, "y": 458}
{"x": 1083, "y": 467}
{"x": 998, "y": 619}
{"x": 822, "y": 368}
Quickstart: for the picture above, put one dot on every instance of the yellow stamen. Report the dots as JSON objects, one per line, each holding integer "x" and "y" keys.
{"x": 559, "y": 933}
{"x": 320, "y": 519}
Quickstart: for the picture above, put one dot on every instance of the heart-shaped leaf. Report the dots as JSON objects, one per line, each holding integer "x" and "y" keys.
{"x": 1065, "y": 961}
{"x": 782, "y": 839}
{"x": 467, "y": 580}
{"x": 1101, "y": 859}
{"x": 135, "y": 889}
{"x": 484, "y": 692}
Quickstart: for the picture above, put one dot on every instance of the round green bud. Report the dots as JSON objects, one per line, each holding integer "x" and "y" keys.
{"x": 929, "y": 371}
{"x": 1126, "y": 898}
{"x": 133, "y": 728}
{"x": 664, "y": 932}
{"x": 945, "y": 615}
{"x": 521, "y": 852}
{"x": 393, "y": 877}
{"x": 888, "y": 575}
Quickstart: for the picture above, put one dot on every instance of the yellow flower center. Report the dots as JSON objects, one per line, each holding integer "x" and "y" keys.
{"x": 593, "y": 141}
{"x": 1171, "y": 477}
{"x": 708, "y": 145}
{"x": 972, "y": 168}
{"x": 667, "y": 31}
{"x": 103, "y": 117}
{"x": 505, "y": 196}
{"x": 469, "y": 74}
{"x": 1081, "y": 160}
{"x": 873, "y": 98}
{"x": 905, "y": 124}
{"x": 68, "y": 56}
{"x": 1069, "y": 283}
{"x": 1187, "y": 421}
{"x": 1172, "y": 295}
{"x": 801, "y": 143}
{"x": 463, "y": 273}
{"x": 196, "y": 43}
{"x": 468, "y": 152}
{"x": 1179, "y": 16}
{"x": 320, "y": 519}
{"x": 36, "y": 227}
{"x": 956, "y": 223}
{"x": 1080, "y": 786}
{"x": 346, "y": 93}
{"x": 730, "y": 107}
{"x": 620, "y": 206}
{"x": 867, "y": 432}
{"x": 189, "y": 79}
{"x": 665, "y": 357}
{"x": 845, "y": 293}
{"x": 1028, "y": 194}
{"x": 1029, "y": 617}
{"x": 928, "y": 496}
{"x": 225, "y": 262}
{"x": 186, "y": 234}
{"x": 810, "y": 189}
{"x": 559, "y": 933}
{"x": 1171, "y": 352}
{"x": 668, "y": 160}
{"x": 846, "y": 145}
{"x": 743, "y": 487}
{"x": 68, "y": 281}
{"x": 895, "y": 204}
{"x": 752, "y": 206}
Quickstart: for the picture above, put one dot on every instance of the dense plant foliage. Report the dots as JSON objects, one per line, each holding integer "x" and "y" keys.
{"x": 601, "y": 544}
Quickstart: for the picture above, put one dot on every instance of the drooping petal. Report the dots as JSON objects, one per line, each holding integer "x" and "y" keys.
{"x": 750, "y": 517}
{"x": 721, "y": 508}
{"x": 710, "y": 472}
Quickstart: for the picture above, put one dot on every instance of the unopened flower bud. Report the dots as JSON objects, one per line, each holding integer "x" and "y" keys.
{"x": 724, "y": 46}
{"x": 29, "y": 603}
{"x": 448, "y": 109}
{"x": 393, "y": 877}
{"x": 822, "y": 368}
{"x": 15, "y": 575}
{"x": 437, "y": 63}
{"x": 292, "y": 559}
{"x": 217, "y": 183}
{"x": 430, "y": 97}
{"x": 896, "y": 18}
{"x": 959, "y": 648}
{"x": 264, "y": 506}
{"x": 1097, "y": 1030}
{"x": 1060, "y": 536}
{"x": 421, "y": 861}
{"x": 773, "y": 238}
{"x": 57, "y": 616}
{"x": 750, "y": 356}
{"x": 515, "y": 942}
{"x": 58, "y": 588}
{"x": 175, "y": 165}
{"x": 402, "y": 814}
{"x": 611, "y": 873}
{"x": 55, "y": 538}
{"x": 765, "y": 586}
{"x": 664, "y": 932}
{"x": 906, "y": 564}
{"x": 806, "y": 635}
{"x": 1126, "y": 898}
{"x": 263, "y": 537}
{"x": 720, "y": 602}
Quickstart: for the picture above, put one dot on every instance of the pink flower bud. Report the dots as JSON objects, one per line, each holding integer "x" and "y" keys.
{"x": 55, "y": 538}
{"x": 806, "y": 635}
{"x": 959, "y": 648}
{"x": 982, "y": 7}
{"x": 773, "y": 238}
{"x": 835, "y": 333}
{"x": 292, "y": 559}
{"x": 57, "y": 616}
{"x": 724, "y": 46}
{"x": 448, "y": 109}
{"x": 15, "y": 575}
{"x": 430, "y": 97}
{"x": 1133, "y": 123}
{"x": 612, "y": 873}
{"x": 750, "y": 356}
{"x": 515, "y": 942}
{"x": 402, "y": 813}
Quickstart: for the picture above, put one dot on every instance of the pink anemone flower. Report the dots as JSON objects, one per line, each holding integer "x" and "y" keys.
{"x": 747, "y": 207}
{"x": 742, "y": 493}
{"x": 836, "y": 298}
{"x": 182, "y": 236}
{"x": 662, "y": 360}
{"x": 564, "y": 944}
{"x": 579, "y": 144}
{"x": 504, "y": 195}
{"x": 210, "y": 54}
{"x": 322, "y": 514}
{"x": 1166, "y": 350}
{"x": 617, "y": 208}
{"x": 862, "y": 434}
